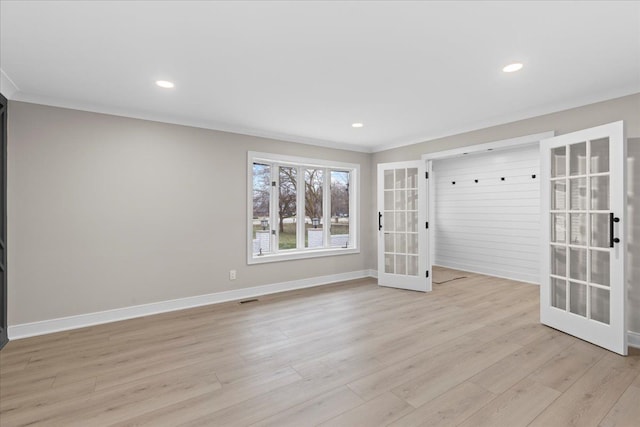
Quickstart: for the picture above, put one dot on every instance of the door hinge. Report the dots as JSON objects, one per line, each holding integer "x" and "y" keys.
{"x": 427, "y": 273}
{"x": 273, "y": 232}
{"x": 273, "y": 183}
{"x": 426, "y": 224}
{"x": 426, "y": 175}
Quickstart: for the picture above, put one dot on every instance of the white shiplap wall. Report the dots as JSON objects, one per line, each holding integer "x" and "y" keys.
{"x": 492, "y": 226}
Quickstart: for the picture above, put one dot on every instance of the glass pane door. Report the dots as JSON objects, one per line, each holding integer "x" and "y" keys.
{"x": 399, "y": 189}
{"x": 582, "y": 289}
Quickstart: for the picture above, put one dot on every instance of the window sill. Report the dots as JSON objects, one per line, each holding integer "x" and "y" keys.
{"x": 312, "y": 253}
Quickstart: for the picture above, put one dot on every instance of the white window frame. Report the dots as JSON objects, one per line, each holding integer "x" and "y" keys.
{"x": 277, "y": 160}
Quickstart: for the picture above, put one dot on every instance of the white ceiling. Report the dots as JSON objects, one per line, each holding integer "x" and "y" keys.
{"x": 304, "y": 71}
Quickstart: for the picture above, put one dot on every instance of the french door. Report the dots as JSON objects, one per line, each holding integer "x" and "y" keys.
{"x": 3, "y": 222}
{"x": 582, "y": 288}
{"x": 402, "y": 226}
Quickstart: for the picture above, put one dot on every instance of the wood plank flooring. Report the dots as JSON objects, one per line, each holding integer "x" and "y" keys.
{"x": 470, "y": 353}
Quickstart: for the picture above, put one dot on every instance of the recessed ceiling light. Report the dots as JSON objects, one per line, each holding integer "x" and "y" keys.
{"x": 512, "y": 67}
{"x": 165, "y": 84}
{"x": 357, "y": 125}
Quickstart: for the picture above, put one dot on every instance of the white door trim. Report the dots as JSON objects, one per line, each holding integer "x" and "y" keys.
{"x": 503, "y": 144}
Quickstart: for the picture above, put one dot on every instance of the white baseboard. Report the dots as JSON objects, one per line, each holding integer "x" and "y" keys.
{"x": 633, "y": 339}
{"x": 26, "y": 330}
{"x": 43, "y": 327}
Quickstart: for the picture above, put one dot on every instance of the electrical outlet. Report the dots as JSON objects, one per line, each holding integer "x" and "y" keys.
{"x": 232, "y": 275}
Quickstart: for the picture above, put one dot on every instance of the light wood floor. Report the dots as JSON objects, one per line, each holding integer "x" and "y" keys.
{"x": 470, "y": 353}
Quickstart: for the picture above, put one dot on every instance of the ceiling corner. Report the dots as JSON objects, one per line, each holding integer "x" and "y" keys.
{"x": 7, "y": 87}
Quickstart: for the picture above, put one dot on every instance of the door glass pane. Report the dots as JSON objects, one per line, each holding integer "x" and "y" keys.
{"x": 600, "y": 193}
{"x": 401, "y": 264}
{"x": 401, "y": 243}
{"x": 412, "y": 222}
{"x": 600, "y": 155}
{"x": 558, "y": 162}
{"x": 558, "y": 195}
{"x": 412, "y": 178}
{"x": 578, "y": 158}
{"x": 412, "y": 243}
{"x": 287, "y": 207}
{"x": 401, "y": 224}
{"x": 400, "y": 178}
{"x": 578, "y": 298}
{"x": 578, "y": 194}
{"x": 559, "y": 293}
{"x": 578, "y": 264}
{"x": 388, "y": 200}
{"x": 578, "y": 229}
{"x": 412, "y": 265}
{"x": 388, "y": 179}
{"x": 559, "y": 260}
{"x": 412, "y": 200}
{"x": 600, "y": 230}
{"x": 388, "y": 221}
{"x": 389, "y": 242}
{"x": 600, "y": 305}
{"x": 401, "y": 201}
{"x": 600, "y": 270}
{"x": 389, "y": 263}
{"x": 558, "y": 228}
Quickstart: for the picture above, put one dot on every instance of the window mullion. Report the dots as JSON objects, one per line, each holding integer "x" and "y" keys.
{"x": 275, "y": 200}
{"x": 353, "y": 224}
{"x": 326, "y": 208}
{"x": 300, "y": 207}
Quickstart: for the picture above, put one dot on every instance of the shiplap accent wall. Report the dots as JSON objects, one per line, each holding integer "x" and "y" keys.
{"x": 491, "y": 226}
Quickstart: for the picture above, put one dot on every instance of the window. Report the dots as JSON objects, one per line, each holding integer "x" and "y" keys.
{"x": 300, "y": 208}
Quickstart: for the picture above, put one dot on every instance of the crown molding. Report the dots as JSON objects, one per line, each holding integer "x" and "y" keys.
{"x": 164, "y": 118}
{"x": 12, "y": 92}
{"x": 518, "y": 116}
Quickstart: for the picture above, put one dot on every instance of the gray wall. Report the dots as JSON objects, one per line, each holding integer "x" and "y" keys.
{"x": 108, "y": 212}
